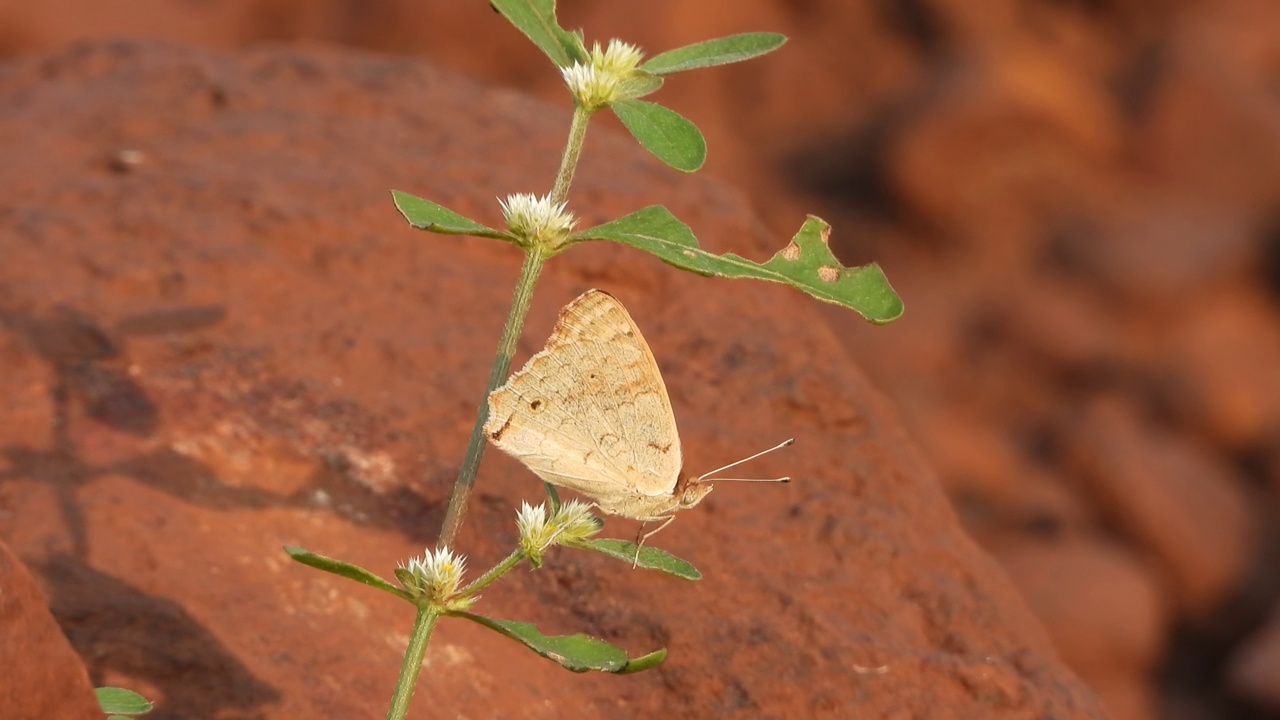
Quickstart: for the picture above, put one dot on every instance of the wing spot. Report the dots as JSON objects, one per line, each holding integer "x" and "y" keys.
{"x": 497, "y": 434}
{"x": 535, "y": 404}
{"x": 664, "y": 449}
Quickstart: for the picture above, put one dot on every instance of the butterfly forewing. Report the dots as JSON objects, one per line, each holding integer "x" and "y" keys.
{"x": 590, "y": 411}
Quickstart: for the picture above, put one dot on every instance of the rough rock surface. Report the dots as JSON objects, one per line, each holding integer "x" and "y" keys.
{"x": 43, "y": 677}
{"x": 1078, "y": 200}
{"x": 219, "y": 338}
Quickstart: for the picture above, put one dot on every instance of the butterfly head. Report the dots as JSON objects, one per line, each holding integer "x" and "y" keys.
{"x": 691, "y": 490}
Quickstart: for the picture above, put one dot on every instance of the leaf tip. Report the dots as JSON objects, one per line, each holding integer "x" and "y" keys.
{"x": 644, "y": 662}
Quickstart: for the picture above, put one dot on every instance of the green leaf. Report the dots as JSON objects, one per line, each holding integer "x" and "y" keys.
{"x": 426, "y": 215}
{"x": 664, "y": 132}
{"x": 644, "y": 662}
{"x": 578, "y": 653}
{"x": 638, "y": 84}
{"x": 651, "y": 558}
{"x": 806, "y": 263}
{"x": 119, "y": 701}
{"x": 346, "y": 570}
{"x": 720, "y": 51}
{"x": 553, "y": 494}
{"x": 537, "y": 20}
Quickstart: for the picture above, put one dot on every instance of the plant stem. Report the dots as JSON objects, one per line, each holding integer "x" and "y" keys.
{"x": 572, "y": 151}
{"x": 501, "y": 367}
{"x": 494, "y": 573}
{"x": 413, "y": 656}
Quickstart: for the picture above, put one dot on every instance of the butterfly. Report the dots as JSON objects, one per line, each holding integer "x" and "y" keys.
{"x": 590, "y": 413}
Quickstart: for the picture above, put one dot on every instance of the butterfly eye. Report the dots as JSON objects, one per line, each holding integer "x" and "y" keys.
{"x": 694, "y": 495}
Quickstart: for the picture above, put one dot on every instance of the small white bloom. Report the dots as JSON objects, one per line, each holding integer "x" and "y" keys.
{"x": 531, "y": 521}
{"x": 438, "y": 574}
{"x": 591, "y": 88}
{"x": 537, "y": 221}
{"x": 575, "y": 521}
{"x": 538, "y": 532}
{"x": 596, "y": 83}
{"x": 619, "y": 58}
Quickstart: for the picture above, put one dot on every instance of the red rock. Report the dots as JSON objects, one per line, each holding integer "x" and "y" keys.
{"x": 1182, "y": 504}
{"x": 1220, "y": 369}
{"x": 42, "y": 676}
{"x": 1209, "y": 127}
{"x": 1150, "y": 125}
{"x": 1254, "y": 670}
{"x": 1062, "y": 325}
{"x": 352, "y": 345}
{"x": 996, "y": 491}
{"x": 1006, "y": 133}
{"x": 1105, "y": 611}
{"x": 1166, "y": 250}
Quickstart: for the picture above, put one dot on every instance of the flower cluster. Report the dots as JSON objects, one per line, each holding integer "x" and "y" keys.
{"x": 539, "y": 531}
{"x": 598, "y": 83}
{"x": 437, "y": 575}
{"x": 537, "y": 221}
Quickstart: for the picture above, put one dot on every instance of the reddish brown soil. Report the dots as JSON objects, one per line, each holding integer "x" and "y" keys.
{"x": 1077, "y": 200}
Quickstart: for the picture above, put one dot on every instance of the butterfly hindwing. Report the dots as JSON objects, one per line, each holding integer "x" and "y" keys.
{"x": 590, "y": 411}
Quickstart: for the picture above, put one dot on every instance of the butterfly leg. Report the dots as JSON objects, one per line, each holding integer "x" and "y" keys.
{"x": 641, "y": 536}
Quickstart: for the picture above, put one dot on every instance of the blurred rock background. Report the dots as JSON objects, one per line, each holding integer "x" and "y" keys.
{"x": 1079, "y": 201}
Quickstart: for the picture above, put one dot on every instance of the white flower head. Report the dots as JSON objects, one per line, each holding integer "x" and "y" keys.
{"x": 531, "y": 521}
{"x": 538, "y": 532}
{"x": 597, "y": 83}
{"x": 618, "y": 57}
{"x": 438, "y": 574}
{"x": 575, "y": 521}
{"x": 537, "y": 221}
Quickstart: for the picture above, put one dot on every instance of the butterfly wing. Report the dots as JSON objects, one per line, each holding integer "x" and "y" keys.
{"x": 590, "y": 411}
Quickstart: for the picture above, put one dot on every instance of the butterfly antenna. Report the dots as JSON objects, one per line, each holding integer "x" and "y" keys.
{"x": 779, "y": 446}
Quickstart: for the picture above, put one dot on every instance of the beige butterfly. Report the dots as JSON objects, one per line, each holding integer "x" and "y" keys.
{"x": 590, "y": 413}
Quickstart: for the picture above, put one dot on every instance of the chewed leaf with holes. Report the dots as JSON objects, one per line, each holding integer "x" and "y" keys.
{"x": 806, "y": 263}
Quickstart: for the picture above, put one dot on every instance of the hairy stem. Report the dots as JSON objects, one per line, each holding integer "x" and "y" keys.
{"x": 510, "y": 334}
{"x": 494, "y": 573}
{"x": 572, "y": 151}
{"x": 501, "y": 367}
{"x": 413, "y": 656}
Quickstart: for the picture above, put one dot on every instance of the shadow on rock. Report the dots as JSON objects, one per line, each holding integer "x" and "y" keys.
{"x": 116, "y": 627}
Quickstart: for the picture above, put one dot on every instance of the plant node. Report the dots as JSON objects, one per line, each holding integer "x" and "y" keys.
{"x": 435, "y": 578}
{"x": 536, "y": 223}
